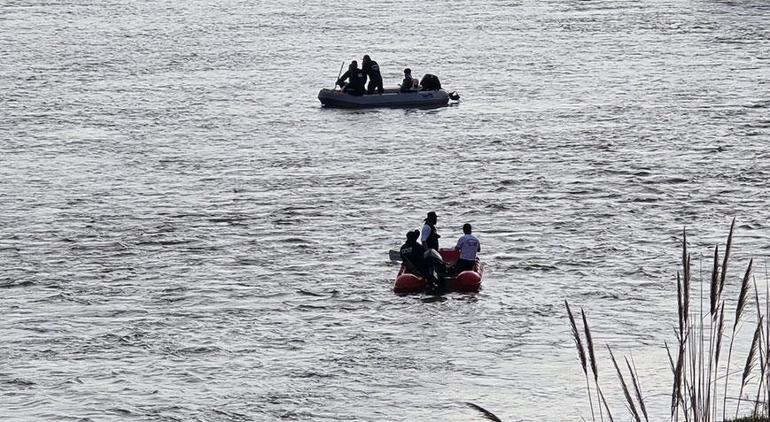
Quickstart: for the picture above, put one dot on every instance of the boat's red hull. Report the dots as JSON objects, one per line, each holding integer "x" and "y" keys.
{"x": 465, "y": 282}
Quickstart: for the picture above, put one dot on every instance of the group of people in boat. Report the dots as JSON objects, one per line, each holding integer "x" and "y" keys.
{"x": 353, "y": 81}
{"x": 422, "y": 258}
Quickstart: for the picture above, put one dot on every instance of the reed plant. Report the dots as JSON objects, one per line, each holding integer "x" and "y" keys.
{"x": 695, "y": 363}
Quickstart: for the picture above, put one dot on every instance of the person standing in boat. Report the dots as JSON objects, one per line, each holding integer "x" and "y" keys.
{"x": 356, "y": 80}
{"x": 430, "y": 237}
{"x": 407, "y": 84}
{"x": 468, "y": 245}
{"x": 413, "y": 254}
{"x": 372, "y": 69}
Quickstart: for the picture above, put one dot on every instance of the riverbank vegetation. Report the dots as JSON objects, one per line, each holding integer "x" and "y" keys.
{"x": 703, "y": 359}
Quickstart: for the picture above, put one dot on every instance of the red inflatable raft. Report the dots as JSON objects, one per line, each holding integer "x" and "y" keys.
{"x": 465, "y": 282}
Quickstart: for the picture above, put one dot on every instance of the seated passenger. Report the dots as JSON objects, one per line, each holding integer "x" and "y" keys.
{"x": 413, "y": 254}
{"x": 356, "y": 80}
{"x": 468, "y": 245}
{"x": 408, "y": 83}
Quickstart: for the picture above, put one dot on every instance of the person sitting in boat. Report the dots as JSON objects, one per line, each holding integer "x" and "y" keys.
{"x": 430, "y": 237}
{"x": 356, "y": 80}
{"x": 407, "y": 84}
{"x": 468, "y": 245}
{"x": 413, "y": 254}
{"x": 372, "y": 70}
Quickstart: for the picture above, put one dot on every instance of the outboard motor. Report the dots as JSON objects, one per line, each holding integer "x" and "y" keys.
{"x": 435, "y": 269}
{"x": 430, "y": 82}
{"x": 454, "y": 96}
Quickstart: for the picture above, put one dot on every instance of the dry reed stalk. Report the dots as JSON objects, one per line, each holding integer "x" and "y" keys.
{"x": 581, "y": 355}
{"x": 714, "y": 288}
{"x": 676, "y": 394}
{"x": 727, "y": 256}
{"x": 679, "y": 305}
{"x": 744, "y": 294}
{"x": 691, "y": 376}
{"x": 701, "y": 339}
{"x": 738, "y": 312}
{"x": 637, "y": 387}
{"x": 626, "y": 393}
{"x": 767, "y": 336}
{"x": 594, "y": 368}
{"x": 693, "y": 379}
{"x": 759, "y": 349}
{"x": 686, "y": 279}
{"x": 712, "y": 340}
{"x": 487, "y": 414}
{"x": 750, "y": 362}
{"x": 717, "y": 351}
{"x": 714, "y": 312}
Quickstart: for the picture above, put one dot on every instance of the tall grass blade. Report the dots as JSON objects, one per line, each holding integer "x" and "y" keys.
{"x": 750, "y": 362}
{"x": 487, "y": 414}
{"x": 590, "y": 343}
{"x": 626, "y": 393}
{"x": 680, "y": 305}
{"x": 576, "y": 337}
{"x": 676, "y": 395}
{"x": 760, "y": 355}
{"x": 594, "y": 366}
{"x": 744, "y": 293}
{"x": 726, "y": 258}
{"x": 740, "y": 307}
{"x": 637, "y": 387}
{"x": 714, "y": 287}
{"x": 581, "y": 355}
{"x": 718, "y": 350}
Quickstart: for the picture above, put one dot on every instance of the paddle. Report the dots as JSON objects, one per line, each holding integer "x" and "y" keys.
{"x": 338, "y": 75}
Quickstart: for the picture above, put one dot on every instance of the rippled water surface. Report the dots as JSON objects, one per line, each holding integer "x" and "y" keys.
{"x": 185, "y": 234}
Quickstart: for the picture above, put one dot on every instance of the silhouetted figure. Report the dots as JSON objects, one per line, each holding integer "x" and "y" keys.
{"x": 408, "y": 83}
{"x": 430, "y": 82}
{"x": 356, "y": 80}
{"x": 413, "y": 254}
{"x": 372, "y": 69}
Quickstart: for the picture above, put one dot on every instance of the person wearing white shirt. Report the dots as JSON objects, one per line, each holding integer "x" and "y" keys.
{"x": 429, "y": 237}
{"x": 468, "y": 245}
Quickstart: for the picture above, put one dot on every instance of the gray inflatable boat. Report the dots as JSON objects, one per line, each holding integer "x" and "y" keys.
{"x": 389, "y": 98}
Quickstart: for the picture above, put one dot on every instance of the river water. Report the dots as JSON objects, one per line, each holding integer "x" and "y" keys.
{"x": 185, "y": 234}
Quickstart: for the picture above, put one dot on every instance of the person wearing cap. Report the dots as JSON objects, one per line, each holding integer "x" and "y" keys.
{"x": 372, "y": 69}
{"x": 408, "y": 83}
{"x": 357, "y": 80}
{"x": 430, "y": 237}
{"x": 468, "y": 245}
{"x": 413, "y": 254}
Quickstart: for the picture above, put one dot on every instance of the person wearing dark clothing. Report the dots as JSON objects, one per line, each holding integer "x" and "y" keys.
{"x": 356, "y": 80}
{"x": 372, "y": 69}
{"x": 408, "y": 83}
{"x": 413, "y": 254}
{"x": 430, "y": 82}
{"x": 429, "y": 236}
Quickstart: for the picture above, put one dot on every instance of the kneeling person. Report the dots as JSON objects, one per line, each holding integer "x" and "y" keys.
{"x": 413, "y": 254}
{"x": 356, "y": 80}
{"x": 468, "y": 245}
